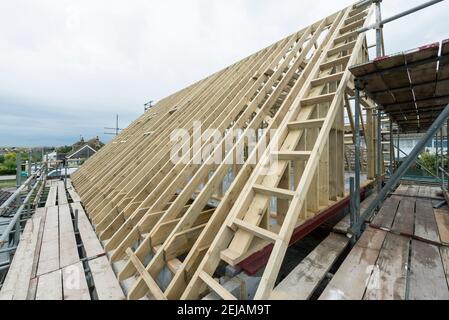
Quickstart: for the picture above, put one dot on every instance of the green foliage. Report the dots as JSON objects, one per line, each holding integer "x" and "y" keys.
{"x": 8, "y": 161}
{"x": 10, "y": 157}
{"x": 8, "y": 166}
{"x": 36, "y": 156}
{"x": 6, "y": 171}
{"x": 429, "y": 160}
{"x": 64, "y": 149}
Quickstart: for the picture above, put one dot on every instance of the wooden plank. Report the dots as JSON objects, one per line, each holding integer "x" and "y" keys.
{"x": 436, "y": 192}
{"x": 274, "y": 192}
{"x": 388, "y": 280}
{"x": 258, "y": 231}
{"x": 305, "y": 277}
{"x": 17, "y": 281}
{"x": 444, "y": 252}
{"x": 424, "y": 191}
{"x": 328, "y": 78}
{"x": 49, "y": 255}
{"x": 62, "y": 196}
{"x": 51, "y": 198}
{"x": 405, "y": 217}
{"x": 335, "y": 62}
{"x": 402, "y": 189}
{"x": 427, "y": 277}
{"x": 350, "y": 280}
{"x": 68, "y": 253}
{"x": 412, "y": 190}
{"x": 425, "y": 223}
{"x": 442, "y": 219}
{"x": 49, "y": 286}
{"x": 340, "y": 48}
{"x": 106, "y": 284}
{"x": 317, "y": 99}
{"x": 292, "y": 155}
{"x": 42, "y": 213}
{"x": 75, "y": 197}
{"x": 74, "y": 282}
{"x": 387, "y": 212}
{"x": 90, "y": 240}
{"x": 306, "y": 124}
{"x": 32, "y": 289}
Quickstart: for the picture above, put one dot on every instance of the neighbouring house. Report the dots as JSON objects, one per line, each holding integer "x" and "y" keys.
{"x": 52, "y": 156}
{"x": 94, "y": 143}
{"x": 408, "y": 141}
{"x": 82, "y": 150}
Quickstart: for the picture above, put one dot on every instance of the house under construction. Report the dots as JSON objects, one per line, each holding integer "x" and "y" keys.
{"x": 305, "y": 136}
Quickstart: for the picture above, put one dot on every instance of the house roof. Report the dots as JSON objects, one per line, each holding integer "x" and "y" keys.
{"x": 94, "y": 143}
{"x": 79, "y": 150}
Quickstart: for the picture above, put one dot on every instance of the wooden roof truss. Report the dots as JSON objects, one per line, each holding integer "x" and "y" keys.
{"x": 187, "y": 217}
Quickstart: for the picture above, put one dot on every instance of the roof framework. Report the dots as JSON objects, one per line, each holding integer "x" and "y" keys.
{"x": 190, "y": 217}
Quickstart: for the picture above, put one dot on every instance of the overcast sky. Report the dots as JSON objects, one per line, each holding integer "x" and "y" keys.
{"x": 67, "y": 67}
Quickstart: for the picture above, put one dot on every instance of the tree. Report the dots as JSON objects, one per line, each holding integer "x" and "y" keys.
{"x": 9, "y": 164}
{"x": 429, "y": 160}
{"x": 64, "y": 149}
{"x": 10, "y": 157}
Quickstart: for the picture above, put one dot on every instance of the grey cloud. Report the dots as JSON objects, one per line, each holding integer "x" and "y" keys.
{"x": 67, "y": 67}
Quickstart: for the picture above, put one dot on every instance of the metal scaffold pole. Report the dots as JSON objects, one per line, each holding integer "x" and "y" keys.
{"x": 379, "y": 119}
{"x": 395, "y": 178}
{"x": 398, "y": 156}
{"x": 441, "y": 155}
{"x": 399, "y": 15}
{"x": 437, "y": 165}
{"x": 447, "y": 149}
